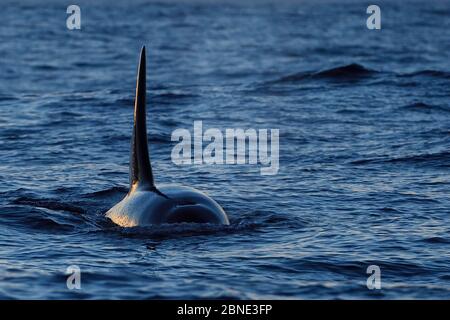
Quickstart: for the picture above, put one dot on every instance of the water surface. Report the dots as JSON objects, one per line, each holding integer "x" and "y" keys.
{"x": 364, "y": 120}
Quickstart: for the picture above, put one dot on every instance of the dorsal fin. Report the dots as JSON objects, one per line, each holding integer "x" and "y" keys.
{"x": 140, "y": 169}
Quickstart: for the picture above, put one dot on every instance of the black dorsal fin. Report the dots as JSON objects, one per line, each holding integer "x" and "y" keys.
{"x": 140, "y": 169}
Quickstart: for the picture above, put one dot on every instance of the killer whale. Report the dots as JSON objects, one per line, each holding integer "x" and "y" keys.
{"x": 145, "y": 204}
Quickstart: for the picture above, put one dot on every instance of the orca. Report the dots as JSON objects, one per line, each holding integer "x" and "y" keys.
{"x": 145, "y": 204}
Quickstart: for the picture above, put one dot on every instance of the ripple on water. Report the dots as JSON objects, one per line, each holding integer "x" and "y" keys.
{"x": 364, "y": 139}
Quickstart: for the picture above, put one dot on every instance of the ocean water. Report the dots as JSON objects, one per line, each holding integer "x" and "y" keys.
{"x": 364, "y": 120}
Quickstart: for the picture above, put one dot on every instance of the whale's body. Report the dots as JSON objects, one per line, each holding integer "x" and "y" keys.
{"x": 145, "y": 204}
{"x": 172, "y": 204}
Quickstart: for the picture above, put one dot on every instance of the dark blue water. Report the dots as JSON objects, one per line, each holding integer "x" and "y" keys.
{"x": 364, "y": 120}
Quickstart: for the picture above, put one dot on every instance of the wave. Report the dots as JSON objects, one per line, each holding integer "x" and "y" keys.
{"x": 174, "y": 95}
{"x": 106, "y": 193}
{"x": 424, "y": 107}
{"x": 427, "y": 73}
{"x": 175, "y": 230}
{"x": 347, "y": 267}
{"x": 7, "y": 98}
{"x": 437, "y": 240}
{"x": 125, "y": 101}
{"x": 45, "y": 67}
{"x": 84, "y": 64}
{"x": 48, "y": 204}
{"x": 170, "y": 97}
{"x": 349, "y": 71}
{"x": 37, "y": 219}
{"x": 352, "y": 71}
{"x": 441, "y": 159}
